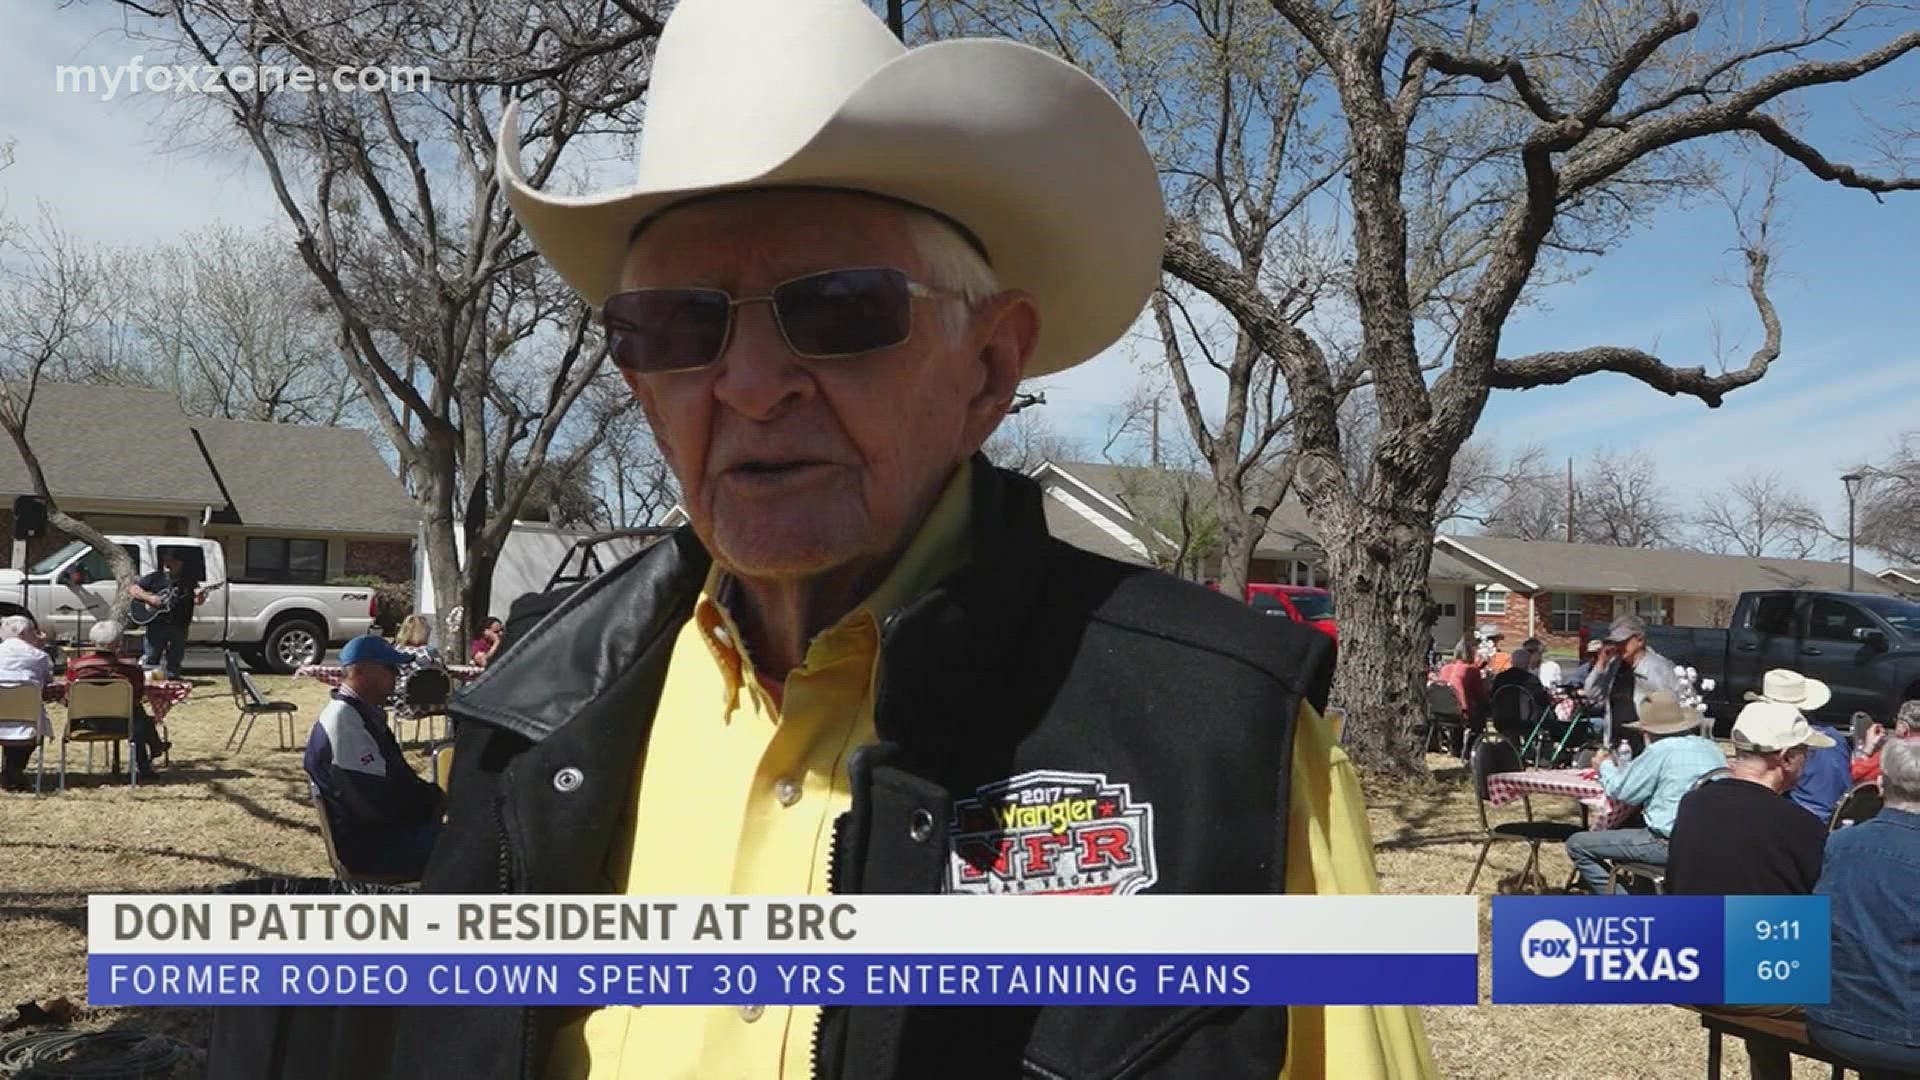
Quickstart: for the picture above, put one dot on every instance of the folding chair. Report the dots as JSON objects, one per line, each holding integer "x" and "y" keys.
{"x": 1444, "y": 716}
{"x": 99, "y": 710}
{"x": 252, "y": 704}
{"x": 340, "y": 869}
{"x": 1493, "y": 754}
{"x": 1860, "y": 803}
{"x": 423, "y": 697}
{"x": 23, "y": 704}
{"x": 1547, "y": 744}
{"x": 1651, "y": 873}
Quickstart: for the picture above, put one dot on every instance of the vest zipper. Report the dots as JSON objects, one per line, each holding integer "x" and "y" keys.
{"x": 835, "y": 859}
{"x": 505, "y": 873}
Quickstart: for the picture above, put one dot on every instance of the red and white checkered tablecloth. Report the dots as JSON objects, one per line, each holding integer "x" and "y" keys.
{"x": 332, "y": 673}
{"x": 161, "y": 695}
{"x": 1568, "y": 783}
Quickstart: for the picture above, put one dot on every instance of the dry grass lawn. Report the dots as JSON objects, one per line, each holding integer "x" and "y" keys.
{"x": 216, "y": 816}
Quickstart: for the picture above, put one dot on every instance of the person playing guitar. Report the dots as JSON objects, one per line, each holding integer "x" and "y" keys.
{"x": 169, "y": 596}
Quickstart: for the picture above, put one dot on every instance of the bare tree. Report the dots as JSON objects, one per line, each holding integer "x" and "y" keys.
{"x": 1027, "y": 438}
{"x": 51, "y": 294}
{"x": 636, "y": 486}
{"x": 469, "y": 351}
{"x": 1470, "y": 152}
{"x": 1888, "y": 518}
{"x": 1517, "y": 495}
{"x": 1760, "y": 514}
{"x": 224, "y": 320}
{"x": 1624, "y": 503}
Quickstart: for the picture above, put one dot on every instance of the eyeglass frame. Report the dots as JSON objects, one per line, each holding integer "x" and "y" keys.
{"x": 916, "y": 290}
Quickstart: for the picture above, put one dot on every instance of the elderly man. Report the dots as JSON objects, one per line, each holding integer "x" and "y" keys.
{"x": 1825, "y": 779}
{"x": 1866, "y": 759}
{"x": 383, "y": 816}
{"x": 1872, "y": 1014}
{"x": 1655, "y": 781}
{"x": 1626, "y": 673}
{"x": 841, "y": 260}
{"x": 22, "y": 663}
{"x": 103, "y": 662}
{"x": 1778, "y": 850}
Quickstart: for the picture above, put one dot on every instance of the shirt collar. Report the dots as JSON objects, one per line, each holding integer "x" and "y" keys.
{"x": 942, "y": 545}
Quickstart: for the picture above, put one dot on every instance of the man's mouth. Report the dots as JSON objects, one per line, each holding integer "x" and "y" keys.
{"x": 773, "y": 468}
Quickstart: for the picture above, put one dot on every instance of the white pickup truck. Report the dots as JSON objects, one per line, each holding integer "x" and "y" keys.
{"x": 276, "y": 627}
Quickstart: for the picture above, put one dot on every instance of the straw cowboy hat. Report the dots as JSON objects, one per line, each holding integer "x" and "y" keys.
{"x": 1023, "y": 150}
{"x": 1785, "y": 687}
{"x": 1662, "y": 714}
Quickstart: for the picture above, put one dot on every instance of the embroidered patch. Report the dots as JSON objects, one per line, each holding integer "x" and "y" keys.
{"x": 366, "y": 758}
{"x": 1048, "y": 832}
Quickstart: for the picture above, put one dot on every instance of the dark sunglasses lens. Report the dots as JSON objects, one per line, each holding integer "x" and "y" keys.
{"x": 844, "y": 312}
{"x": 655, "y": 330}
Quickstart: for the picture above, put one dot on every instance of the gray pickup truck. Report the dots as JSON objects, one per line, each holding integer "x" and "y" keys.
{"x": 1864, "y": 646}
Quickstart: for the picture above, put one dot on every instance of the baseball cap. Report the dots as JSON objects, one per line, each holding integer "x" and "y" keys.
{"x": 368, "y": 649}
{"x": 1769, "y": 725}
{"x": 1594, "y": 645}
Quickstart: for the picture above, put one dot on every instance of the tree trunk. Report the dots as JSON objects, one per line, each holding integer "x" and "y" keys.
{"x": 1379, "y": 572}
{"x": 1240, "y": 534}
{"x": 115, "y": 555}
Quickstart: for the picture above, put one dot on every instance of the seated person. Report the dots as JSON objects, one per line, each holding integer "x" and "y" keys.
{"x": 1742, "y": 836}
{"x": 1548, "y": 671}
{"x": 412, "y": 639}
{"x": 1825, "y": 780}
{"x": 1520, "y": 673}
{"x": 487, "y": 643}
{"x": 1463, "y": 674}
{"x": 1872, "y": 1016}
{"x": 1866, "y": 760}
{"x": 1578, "y": 676}
{"x": 1517, "y": 722}
{"x": 103, "y": 662}
{"x": 383, "y": 816}
{"x": 1655, "y": 781}
{"x": 22, "y": 662}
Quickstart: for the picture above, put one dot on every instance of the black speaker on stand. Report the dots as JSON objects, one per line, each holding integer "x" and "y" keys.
{"x": 29, "y": 523}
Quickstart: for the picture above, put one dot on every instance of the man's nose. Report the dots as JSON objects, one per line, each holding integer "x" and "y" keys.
{"x": 759, "y": 375}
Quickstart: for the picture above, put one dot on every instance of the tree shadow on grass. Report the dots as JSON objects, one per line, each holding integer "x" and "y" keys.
{"x": 255, "y": 809}
{"x": 223, "y": 861}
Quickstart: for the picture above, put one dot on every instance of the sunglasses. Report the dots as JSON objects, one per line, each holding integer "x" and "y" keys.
{"x": 825, "y": 316}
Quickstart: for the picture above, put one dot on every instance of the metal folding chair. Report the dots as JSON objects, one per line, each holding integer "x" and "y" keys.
{"x": 1492, "y": 754}
{"x": 1443, "y": 718}
{"x": 99, "y": 710}
{"x": 252, "y": 704}
{"x": 23, "y": 704}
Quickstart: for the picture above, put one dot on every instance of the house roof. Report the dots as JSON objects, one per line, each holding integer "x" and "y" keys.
{"x": 299, "y": 476}
{"x": 136, "y": 445}
{"x": 1546, "y": 565}
{"x": 112, "y": 442}
{"x": 1147, "y": 492}
{"x": 1906, "y": 575}
{"x": 1445, "y": 567}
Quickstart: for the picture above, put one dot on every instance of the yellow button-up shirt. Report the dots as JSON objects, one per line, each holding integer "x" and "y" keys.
{"x": 740, "y": 787}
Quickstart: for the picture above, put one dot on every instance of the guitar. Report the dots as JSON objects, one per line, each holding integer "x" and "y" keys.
{"x": 140, "y": 613}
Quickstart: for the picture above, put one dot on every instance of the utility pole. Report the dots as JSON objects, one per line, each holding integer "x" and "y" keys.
{"x": 1569, "y": 500}
{"x": 897, "y": 18}
{"x": 1155, "y": 452}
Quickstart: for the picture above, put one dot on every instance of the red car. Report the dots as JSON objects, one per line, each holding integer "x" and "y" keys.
{"x": 1301, "y": 603}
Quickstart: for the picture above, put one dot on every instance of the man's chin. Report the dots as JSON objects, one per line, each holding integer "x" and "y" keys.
{"x": 766, "y": 552}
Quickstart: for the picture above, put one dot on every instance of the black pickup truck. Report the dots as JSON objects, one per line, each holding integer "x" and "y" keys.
{"x": 1865, "y": 647}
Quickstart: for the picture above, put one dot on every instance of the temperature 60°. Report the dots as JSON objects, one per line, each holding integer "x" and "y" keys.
{"x": 1777, "y": 970}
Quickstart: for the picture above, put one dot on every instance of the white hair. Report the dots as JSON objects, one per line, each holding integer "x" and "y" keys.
{"x": 1900, "y": 773}
{"x": 13, "y": 626}
{"x": 1522, "y": 660}
{"x": 105, "y": 634}
{"x": 950, "y": 261}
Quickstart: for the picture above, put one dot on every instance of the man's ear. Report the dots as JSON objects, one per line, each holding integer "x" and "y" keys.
{"x": 1010, "y": 325}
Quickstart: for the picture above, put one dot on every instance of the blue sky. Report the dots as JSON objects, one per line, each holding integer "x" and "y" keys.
{"x": 1847, "y": 383}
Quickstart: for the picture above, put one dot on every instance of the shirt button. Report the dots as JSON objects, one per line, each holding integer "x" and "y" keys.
{"x": 787, "y": 790}
{"x": 750, "y": 1013}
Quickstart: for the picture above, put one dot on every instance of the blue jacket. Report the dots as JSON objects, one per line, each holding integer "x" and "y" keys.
{"x": 363, "y": 780}
{"x": 1869, "y": 876}
{"x": 1827, "y": 776}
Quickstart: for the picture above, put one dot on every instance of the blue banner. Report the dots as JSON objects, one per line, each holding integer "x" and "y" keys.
{"x": 1694, "y": 950}
{"x": 738, "y": 979}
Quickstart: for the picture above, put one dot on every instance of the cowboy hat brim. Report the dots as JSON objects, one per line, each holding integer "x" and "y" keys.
{"x": 1818, "y": 694}
{"x": 1026, "y": 151}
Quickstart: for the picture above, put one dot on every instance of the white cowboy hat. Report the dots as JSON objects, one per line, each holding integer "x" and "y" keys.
{"x": 1770, "y": 725}
{"x": 1022, "y": 149}
{"x": 1791, "y": 688}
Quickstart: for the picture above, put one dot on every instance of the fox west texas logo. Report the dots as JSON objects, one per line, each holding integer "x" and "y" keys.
{"x": 1052, "y": 832}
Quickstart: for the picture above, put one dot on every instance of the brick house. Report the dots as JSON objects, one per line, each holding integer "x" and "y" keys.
{"x": 1549, "y": 590}
{"x": 289, "y": 503}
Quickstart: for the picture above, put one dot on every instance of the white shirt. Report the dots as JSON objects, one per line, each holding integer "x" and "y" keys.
{"x": 1550, "y": 672}
{"x": 21, "y": 663}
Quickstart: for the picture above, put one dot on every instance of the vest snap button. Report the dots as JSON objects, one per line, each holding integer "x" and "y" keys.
{"x": 750, "y": 1013}
{"x": 922, "y": 828}
{"x": 568, "y": 780}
